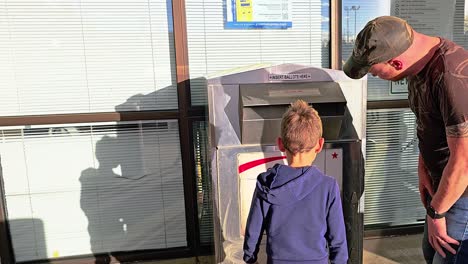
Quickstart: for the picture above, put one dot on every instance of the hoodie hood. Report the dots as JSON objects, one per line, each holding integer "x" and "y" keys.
{"x": 283, "y": 184}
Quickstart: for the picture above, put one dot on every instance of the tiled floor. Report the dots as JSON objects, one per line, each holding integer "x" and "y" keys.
{"x": 387, "y": 250}
{"x": 392, "y": 250}
{"x": 199, "y": 260}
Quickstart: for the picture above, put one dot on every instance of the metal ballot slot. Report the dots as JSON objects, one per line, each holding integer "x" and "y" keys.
{"x": 263, "y": 105}
{"x": 245, "y": 111}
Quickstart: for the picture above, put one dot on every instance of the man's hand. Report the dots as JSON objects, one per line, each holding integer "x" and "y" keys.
{"x": 437, "y": 236}
{"x": 425, "y": 182}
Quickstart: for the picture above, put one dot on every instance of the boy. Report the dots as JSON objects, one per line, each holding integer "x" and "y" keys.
{"x": 297, "y": 205}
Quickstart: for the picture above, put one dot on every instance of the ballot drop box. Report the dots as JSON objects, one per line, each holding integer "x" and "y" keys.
{"x": 245, "y": 111}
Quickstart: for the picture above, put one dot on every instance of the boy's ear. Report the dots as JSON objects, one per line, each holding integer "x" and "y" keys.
{"x": 319, "y": 145}
{"x": 279, "y": 142}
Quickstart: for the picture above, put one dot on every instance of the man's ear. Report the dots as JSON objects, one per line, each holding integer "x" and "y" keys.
{"x": 397, "y": 64}
{"x": 318, "y": 147}
{"x": 280, "y": 144}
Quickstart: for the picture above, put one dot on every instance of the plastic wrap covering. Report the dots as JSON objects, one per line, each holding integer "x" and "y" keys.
{"x": 244, "y": 112}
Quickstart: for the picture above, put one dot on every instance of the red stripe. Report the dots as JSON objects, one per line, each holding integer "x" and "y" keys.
{"x": 255, "y": 163}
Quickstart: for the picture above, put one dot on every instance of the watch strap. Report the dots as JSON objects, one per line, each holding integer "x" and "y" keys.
{"x": 431, "y": 212}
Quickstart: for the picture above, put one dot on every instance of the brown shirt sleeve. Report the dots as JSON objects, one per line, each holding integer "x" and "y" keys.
{"x": 453, "y": 100}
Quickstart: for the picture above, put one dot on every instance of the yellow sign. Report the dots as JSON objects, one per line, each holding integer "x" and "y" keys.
{"x": 244, "y": 10}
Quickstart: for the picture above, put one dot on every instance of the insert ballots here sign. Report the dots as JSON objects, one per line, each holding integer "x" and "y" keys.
{"x": 289, "y": 77}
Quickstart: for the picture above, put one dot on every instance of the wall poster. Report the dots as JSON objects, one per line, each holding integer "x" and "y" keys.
{"x": 258, "y": 14}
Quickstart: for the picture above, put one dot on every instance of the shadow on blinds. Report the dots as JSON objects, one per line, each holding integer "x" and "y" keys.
{"x": 29, "y": 242}
{"x": 133, "y": 197}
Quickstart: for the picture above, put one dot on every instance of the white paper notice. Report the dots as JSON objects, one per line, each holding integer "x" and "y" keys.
{"x": 431, "y": 17}
{"x": 272, "y": 10}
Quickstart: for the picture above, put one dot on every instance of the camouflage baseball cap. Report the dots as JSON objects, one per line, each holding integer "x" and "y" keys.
{"x": 382, "y": 39}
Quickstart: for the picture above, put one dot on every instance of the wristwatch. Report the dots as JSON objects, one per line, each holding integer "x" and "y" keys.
{"x": 432, "y": 213}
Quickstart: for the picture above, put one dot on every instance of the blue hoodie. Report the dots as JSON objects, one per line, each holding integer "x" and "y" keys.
{"x": 300, "y": 209}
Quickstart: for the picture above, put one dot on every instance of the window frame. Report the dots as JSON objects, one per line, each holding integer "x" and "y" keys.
{"x": 186, "y": 115}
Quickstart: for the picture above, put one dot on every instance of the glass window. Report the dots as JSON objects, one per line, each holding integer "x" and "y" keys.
{"x": 461, "y": 23}
{"x": 392, "y": 194}
{"x": 392, "y": 154}
{"x": 438, "y": 18}
{"x": 204, "y": 190}
{"x": 93, "y": 188}
{"x": 86, "y": 56}
{"x": 214, "y": 46}
{"x": 356, "y": 14}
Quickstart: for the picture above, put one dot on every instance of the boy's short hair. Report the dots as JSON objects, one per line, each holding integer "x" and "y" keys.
{"x": 301, "y": 127}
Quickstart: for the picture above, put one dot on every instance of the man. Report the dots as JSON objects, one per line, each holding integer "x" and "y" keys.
{"x": 437, "y": 74}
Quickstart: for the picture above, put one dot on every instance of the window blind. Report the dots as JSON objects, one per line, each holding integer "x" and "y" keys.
{"x": 212, "y": 48}
{"x": 460, "y": 26}
{"x": 88, "y": 189}
{"x": 204, "y": 189}
{"x": 392, "y": 194}
{"x": 86, "y": 56}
